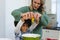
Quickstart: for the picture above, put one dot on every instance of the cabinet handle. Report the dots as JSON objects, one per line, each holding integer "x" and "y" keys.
{"x": 47, "y": 31}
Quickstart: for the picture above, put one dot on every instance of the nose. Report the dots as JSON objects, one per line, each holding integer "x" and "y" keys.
{"x": 36, "y": 5}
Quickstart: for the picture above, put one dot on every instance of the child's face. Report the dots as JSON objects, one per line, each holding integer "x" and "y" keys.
{"x": 24, "y": 27}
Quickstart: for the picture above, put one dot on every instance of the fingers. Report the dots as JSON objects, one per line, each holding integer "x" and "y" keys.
{"x": 38, "y": 14}
{"x": 30, "y": 15}
{"x": 26, "y": 15}
{"x": 37, "y": 17}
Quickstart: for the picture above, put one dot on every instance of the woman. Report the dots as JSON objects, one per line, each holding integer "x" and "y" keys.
{"x": 36, "y": 6}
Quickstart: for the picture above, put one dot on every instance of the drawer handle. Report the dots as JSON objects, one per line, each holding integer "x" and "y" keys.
{"x": 47, "y": 31}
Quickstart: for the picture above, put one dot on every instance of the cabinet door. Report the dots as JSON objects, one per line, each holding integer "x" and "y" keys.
{"x": 59, "y": 35}
{"x": 45, "y": 34}
{"x": 48, "y": 6}
{"x": 53, "y": 33}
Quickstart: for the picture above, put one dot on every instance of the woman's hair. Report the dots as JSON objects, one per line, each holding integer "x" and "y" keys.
{"x": 41, "y": 8}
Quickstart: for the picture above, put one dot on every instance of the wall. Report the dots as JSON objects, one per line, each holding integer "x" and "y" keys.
{"x": 58, "y": 12}
{"x": 2, "y": 18}
{"x": 10, "y": 6}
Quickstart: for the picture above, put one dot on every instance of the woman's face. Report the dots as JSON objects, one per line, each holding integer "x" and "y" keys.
{"x": 36, "y": 4}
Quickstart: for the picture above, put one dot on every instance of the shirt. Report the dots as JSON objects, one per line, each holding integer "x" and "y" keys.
{"x": 19, "y": 33}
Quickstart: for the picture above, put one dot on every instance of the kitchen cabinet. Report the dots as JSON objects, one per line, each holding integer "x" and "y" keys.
{"x": 53, "y": 34}
{"x": 48, "y": 6}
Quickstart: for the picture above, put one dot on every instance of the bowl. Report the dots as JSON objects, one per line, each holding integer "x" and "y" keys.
{"x": 31, "y": 37}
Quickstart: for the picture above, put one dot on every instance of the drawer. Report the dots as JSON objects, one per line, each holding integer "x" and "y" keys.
{"x": 50, "y": 33}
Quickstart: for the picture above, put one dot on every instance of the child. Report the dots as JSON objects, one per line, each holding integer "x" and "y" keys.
{"x": 25, "y": 25}
{"x": 22, "y": 27}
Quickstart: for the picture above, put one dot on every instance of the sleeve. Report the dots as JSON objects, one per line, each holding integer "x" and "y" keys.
{"x": 17, "y": 28}
{"x": 18, "y": 36}
{"x": 33, "y": 26}
{"x": 45, "y": 19}
{"x": 17, "y": 13}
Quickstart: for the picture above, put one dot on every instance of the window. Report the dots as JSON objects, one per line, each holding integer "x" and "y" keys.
{"x": 53, "y": 6}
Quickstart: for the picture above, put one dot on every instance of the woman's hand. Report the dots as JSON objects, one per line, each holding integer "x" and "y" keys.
{"x": 37, "y": 17}
{"x": 26, "y": 16}
{"x": 31, "y": 15}
{"x": 23, "y": 17}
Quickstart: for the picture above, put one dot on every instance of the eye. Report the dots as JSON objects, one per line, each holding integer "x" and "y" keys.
{"x": 34, "y": 2}
{"x": 38, "y": 3}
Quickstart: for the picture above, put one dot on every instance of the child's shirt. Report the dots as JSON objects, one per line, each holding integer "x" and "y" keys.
{"x": 19, "y": 36}
{"x": 18, "y": 32}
